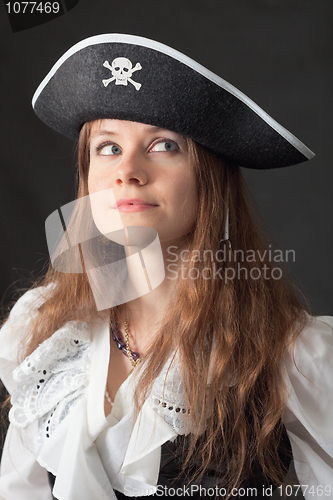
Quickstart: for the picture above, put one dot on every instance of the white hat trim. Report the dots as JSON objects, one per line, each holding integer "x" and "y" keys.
{"x": 175, "y": 54}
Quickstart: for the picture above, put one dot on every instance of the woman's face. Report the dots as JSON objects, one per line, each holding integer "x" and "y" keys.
{"x": 149, "y": 171}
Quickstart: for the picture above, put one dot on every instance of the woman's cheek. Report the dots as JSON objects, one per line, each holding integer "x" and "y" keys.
{"x": 97, "y": 182}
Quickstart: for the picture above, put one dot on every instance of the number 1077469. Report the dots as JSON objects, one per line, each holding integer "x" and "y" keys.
{"x": 315, "y": 491}
{"x": 33, "y": 7}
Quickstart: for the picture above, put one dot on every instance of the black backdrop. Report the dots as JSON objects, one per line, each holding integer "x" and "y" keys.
{"x": 279, "y": 52}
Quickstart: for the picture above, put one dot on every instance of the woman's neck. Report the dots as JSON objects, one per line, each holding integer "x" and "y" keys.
{"x": 147, "y": 313}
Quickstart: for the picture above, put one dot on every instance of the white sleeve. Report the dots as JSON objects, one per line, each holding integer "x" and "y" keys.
{"x": 22, "y": 478}
{"x": 309, "y": 414}
{"x": 15, "y": 330}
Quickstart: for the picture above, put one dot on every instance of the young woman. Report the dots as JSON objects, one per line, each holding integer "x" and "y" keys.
{"x": 202, "y": 376}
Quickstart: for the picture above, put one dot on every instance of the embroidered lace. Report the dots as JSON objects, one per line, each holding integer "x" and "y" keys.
{"x": 51, "y": 380}
{"x": 168, "y": 397}
{"x": 54, "y": 378}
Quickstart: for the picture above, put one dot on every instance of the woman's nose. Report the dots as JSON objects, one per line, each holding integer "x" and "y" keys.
{"x": 131, "y": 170}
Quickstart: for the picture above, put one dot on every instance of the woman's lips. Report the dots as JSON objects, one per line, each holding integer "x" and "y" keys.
{"x": 133, "y": 205}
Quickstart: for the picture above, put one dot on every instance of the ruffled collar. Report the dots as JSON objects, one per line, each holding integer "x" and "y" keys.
{"x": 91, "y": 454}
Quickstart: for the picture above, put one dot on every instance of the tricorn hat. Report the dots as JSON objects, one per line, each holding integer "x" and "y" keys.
{"x": 133, "y": 78}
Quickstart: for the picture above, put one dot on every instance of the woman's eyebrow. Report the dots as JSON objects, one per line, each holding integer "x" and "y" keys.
{"x": 103, "y": 132}
{"x": 150, "y": 128}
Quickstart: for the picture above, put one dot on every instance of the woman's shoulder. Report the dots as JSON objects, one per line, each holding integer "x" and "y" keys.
{"x": 16, "y": 329}
{"x": 309, "y": 403}
{"x": 53, "y": 377}
{"x": 319, "y": 323}
{"x": 56, "y": 371}
{"x": 315, "y": 341}
{"x": 309, "y": 362}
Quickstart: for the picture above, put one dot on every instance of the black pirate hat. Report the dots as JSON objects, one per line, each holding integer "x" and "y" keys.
{"x": 133, "y": 78}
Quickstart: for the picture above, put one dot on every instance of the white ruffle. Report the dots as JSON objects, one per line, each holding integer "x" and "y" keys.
{"x": 90, "y": 454}
{"x": 14, "y": 332}
{"x": 54, "y": 377}
{"x": 60, "y": 388}
{"x": 168, "y": 397}
{"x": 309, "y": 414}
{"x": 125, "y": 456}
{"x": 57, "y": 368}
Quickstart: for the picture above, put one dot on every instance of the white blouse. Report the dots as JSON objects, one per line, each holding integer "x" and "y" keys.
{"x": 58, "y": 422}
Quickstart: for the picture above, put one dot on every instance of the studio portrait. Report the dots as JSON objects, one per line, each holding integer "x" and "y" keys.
{"x": 166, "y": 272}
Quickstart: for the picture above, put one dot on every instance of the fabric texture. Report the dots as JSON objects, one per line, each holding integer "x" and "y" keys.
{"x": 92, "y": 456}
{"x": 50, "y": 382}
{"x": 169, "y": 91}
{"x": 171, "y": 478}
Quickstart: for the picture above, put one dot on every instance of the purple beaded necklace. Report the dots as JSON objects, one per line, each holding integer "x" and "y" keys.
{"x": 120, "y": 343}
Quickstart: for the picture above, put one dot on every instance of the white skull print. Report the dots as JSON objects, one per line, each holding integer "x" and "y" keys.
{"x": 122, "y": 70}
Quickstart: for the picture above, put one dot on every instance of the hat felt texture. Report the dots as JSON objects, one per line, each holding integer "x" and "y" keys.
{"x": 132, "y": 78}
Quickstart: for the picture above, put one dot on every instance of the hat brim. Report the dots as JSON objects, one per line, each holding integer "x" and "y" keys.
{"x": 168, "y": 90}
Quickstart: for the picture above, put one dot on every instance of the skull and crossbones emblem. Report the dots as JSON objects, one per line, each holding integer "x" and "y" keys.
{"x": 122, "y": 70}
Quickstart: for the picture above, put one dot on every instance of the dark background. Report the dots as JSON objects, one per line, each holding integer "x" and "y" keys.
{"x": 278, "y": 52}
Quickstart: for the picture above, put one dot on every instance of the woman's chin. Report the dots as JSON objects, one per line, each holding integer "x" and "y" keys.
{"x": 133, "y": 236}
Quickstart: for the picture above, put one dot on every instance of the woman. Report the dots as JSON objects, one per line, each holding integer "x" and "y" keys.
{"x": 129, "y": 378}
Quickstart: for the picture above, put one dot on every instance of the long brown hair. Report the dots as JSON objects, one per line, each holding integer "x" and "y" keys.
{"x": 230, "y": 334}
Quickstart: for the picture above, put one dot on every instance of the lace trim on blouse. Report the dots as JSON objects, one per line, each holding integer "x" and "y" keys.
{"x": 51, "y": 381}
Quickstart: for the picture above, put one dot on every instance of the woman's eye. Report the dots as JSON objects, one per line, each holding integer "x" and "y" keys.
{"x": 109, "y": 150}
{"x": 164, "y": 146}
